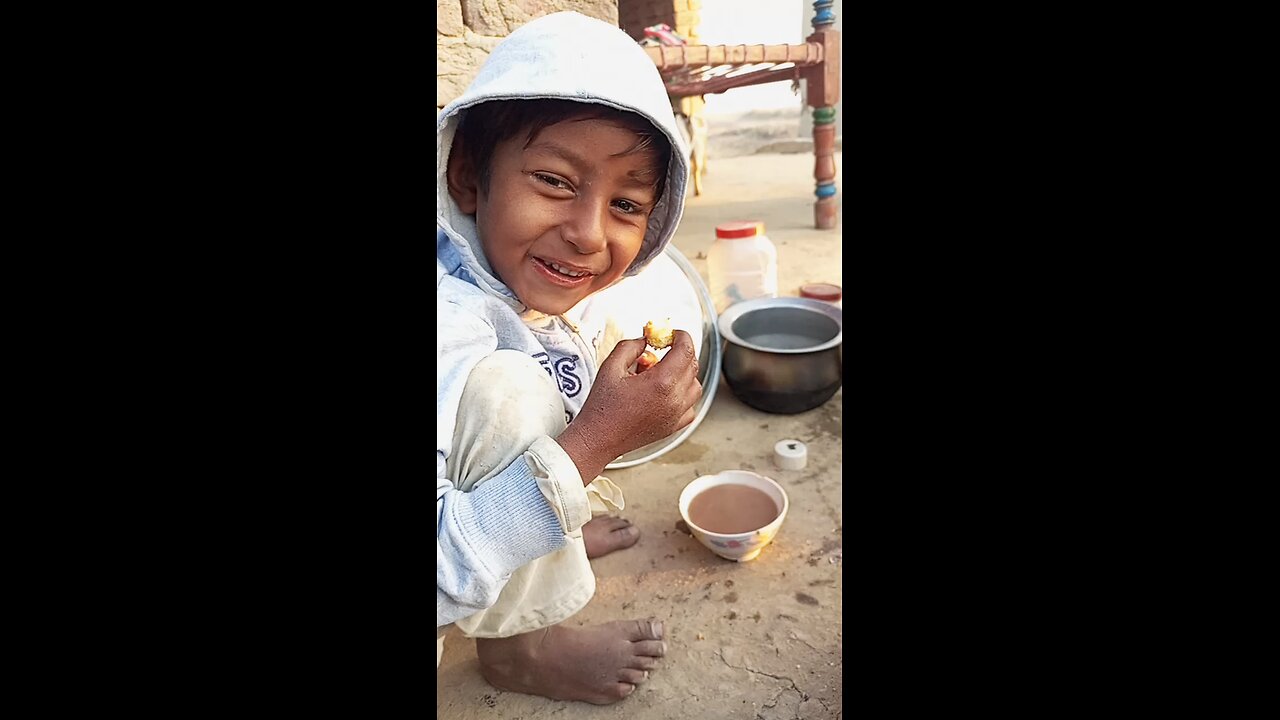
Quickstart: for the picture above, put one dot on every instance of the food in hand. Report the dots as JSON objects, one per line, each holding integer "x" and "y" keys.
{"x": 646, "y": 361}
{"x": 659, "y": 334}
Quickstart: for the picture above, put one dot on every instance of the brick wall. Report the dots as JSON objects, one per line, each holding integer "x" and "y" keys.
{"x": 468, "y": 30}
{"x": 682, "y": 15}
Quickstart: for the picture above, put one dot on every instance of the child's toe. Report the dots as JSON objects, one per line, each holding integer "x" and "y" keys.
{"x": 649, "y": 648}
{"x": 645, "y": 629}
{"x": 627, "y": 534}
{"x": 635, "y": 677}
{"x": 643, "y": 662}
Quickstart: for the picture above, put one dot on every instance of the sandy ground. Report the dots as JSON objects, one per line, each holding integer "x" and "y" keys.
{"x": 758, "y": 132}
{"x": 762, "y": 639}
{"x": 746, "y": 133}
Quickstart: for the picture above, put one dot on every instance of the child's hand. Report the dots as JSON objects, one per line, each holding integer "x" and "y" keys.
{"x": 627, "y": 410}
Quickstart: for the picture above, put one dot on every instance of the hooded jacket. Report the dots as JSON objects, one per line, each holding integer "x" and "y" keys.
{"x": 484, "y": 535}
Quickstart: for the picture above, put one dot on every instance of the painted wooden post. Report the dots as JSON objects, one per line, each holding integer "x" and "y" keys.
{"x": 824, "y": 92}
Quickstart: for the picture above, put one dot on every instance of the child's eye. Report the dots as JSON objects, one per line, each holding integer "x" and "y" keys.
{"x": 552, "y": 180}
{"x": 626, "y": 206}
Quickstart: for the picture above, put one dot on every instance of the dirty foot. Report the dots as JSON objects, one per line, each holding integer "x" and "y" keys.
{"x": 600, "y": 664}
{"x": 605, "y": 534}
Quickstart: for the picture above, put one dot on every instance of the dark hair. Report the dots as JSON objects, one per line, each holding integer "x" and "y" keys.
{"x": 487, "y": 124}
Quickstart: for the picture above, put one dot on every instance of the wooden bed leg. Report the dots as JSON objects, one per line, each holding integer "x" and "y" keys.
{"x": 824, "y": 91}
{"x": 824, "y": 167}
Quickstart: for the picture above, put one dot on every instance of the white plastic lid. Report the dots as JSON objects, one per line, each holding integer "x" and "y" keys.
{"x": 790, "y": 455}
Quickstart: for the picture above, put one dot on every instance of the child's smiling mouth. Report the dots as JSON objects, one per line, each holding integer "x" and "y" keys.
{"x": 562, "y": 275}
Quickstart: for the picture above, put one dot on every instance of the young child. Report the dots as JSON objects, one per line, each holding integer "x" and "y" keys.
{"x": 559, "y": 172}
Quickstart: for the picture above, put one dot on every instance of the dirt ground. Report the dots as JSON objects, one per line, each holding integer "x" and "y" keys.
{"x": 762, "y": 639}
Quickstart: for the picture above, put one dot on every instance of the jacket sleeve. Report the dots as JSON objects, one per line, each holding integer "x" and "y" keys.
{"x": 484, "y": 535}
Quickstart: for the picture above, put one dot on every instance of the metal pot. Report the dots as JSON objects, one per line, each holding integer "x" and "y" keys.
{"x": 783, "y": 355}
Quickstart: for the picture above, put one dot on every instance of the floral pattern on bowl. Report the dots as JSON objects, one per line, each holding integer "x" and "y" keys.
{"x": 740, "y": 547}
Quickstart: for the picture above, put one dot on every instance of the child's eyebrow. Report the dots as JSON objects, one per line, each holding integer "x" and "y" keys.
{"x": 642, "y": 178}
{"x": 558, "y": 150}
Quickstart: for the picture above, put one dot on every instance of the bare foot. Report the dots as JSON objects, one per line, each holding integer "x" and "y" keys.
{"x": 600, "y": 664}
{"x": 605, "y": 534}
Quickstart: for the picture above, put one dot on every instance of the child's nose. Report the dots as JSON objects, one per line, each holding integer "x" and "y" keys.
{"x": 584, "y": 228}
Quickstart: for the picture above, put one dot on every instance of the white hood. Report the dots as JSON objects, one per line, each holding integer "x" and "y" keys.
{"x": 565, "y": 56}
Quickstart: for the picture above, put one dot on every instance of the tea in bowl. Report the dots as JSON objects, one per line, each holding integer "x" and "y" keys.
{"x": 734, "y": 513}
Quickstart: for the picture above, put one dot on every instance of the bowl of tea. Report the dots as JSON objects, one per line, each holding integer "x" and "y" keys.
{"x": 734, "y": 513}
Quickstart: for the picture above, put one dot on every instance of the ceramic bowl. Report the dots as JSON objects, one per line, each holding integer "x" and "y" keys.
{"x": 737, "y": 546}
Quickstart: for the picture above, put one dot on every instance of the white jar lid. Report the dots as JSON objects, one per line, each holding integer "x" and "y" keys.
{"x": 790, "y": 455}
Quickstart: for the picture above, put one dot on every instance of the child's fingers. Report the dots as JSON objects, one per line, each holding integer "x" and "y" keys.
{"x": 624, "y": 355}
{"x": 680, "y": 357}
{"x": 683, "y": 342}
{"x": 689, "y": 416}
{"x": 691, "y": 396}
{"x": 695, "y": 393}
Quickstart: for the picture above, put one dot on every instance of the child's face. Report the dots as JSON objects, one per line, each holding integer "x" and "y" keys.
{"x": 574, "y": 199}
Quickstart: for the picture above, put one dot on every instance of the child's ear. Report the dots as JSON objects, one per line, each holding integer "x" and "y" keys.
{"x": 462, "y": 177}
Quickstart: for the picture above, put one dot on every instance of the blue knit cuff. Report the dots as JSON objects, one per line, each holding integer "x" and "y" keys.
{"x": 507, "y": 520}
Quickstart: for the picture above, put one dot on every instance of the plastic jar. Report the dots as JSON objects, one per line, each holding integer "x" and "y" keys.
{"x": 742, "y": 263}
{"x": 826, "y": 292}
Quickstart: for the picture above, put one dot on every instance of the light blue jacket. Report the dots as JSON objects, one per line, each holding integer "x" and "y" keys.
{"x": 484, "y": 535}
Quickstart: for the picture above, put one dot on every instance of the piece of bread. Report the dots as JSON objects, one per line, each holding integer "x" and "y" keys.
{"x": 646, "y": 361}
{"x": 659, "y": 334}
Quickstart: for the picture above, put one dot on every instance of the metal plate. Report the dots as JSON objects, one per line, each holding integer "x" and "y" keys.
{"x": 709, "y": 356}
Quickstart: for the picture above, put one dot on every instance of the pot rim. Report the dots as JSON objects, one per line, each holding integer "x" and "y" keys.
{"x": 737, "y": 310}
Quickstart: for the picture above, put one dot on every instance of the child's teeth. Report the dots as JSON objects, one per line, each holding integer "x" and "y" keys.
{"x": 565, "y": 271}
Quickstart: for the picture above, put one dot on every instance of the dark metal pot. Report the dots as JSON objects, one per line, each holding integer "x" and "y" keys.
{"x": 783, "y": 355}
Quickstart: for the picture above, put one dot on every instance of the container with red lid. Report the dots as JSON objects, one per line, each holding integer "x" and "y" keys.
{"x": 736, "y": 230}
{"x": 742, "y": 264}
{"x": 825, "y": 292}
